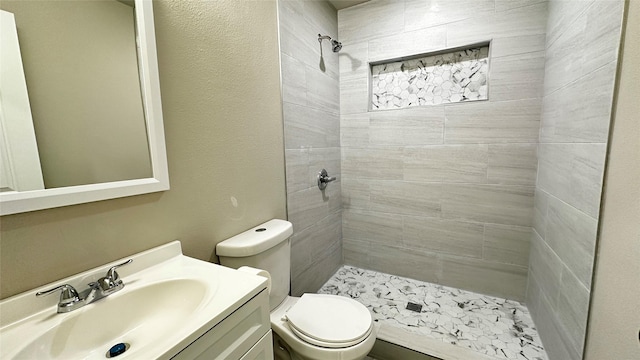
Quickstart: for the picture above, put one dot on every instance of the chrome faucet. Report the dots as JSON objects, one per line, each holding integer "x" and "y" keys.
{"x": 71, "y": 300}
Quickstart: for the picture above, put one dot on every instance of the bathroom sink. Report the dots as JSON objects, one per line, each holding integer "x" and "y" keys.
{"x": 168, "y": 301}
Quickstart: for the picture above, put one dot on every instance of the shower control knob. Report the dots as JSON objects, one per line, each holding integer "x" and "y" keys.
{"x": 324, "y": 179}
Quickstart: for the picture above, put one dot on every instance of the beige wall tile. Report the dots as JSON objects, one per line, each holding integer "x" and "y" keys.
{"x": 297, "y": 169}
{"x": 505, "y": 5}
{"x": 540, "y": 206}
{"x": 512, "y": 164}
{"x": 573, "y": 308}
{"x": 507, "y": 244}
{"x": 446, "y": 163}
{"x": 414, "y": 264}
{"x": 572, "y": 235}
{"x": 442, "y": 236}
{"x": 371, "y": 20}
{"x": 354, "y": 94}
{"x": 294, "y": 84}
{"x": 322, "y": 91}
{"x": 356, "y": 194}
{"x": 581, "y": 111}
{"x": 372, "y": 163}
{"x": 573, "y": 173}
{"x": 407, "y": 43}
{"x": 516, "y": 45}
{"x": 421, "y": 14}
{"x": 554, "y": 335}
{"x": 407, "y": 198}
{"x": 356, "y": 253}
{"x": 313, "y": 278}
{"x": 529, "y": 20}
{"x": 508, "y": 205}
{"x": 503, "y": 280}
{"x": 493, "y": 122}
{"x": 354, "y": 130}
{"x": 546, "y": 267}
{"x": 371, "y": 226}
{"x": 516, "y": 77}
{"x": 307, "y": 127}
{"x": 406, "y": 127}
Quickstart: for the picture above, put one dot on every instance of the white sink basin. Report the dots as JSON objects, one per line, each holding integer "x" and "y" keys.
{"x": 168, "y": 301}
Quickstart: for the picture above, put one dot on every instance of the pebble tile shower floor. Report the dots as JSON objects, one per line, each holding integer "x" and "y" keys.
{"x": 492, "y": 326}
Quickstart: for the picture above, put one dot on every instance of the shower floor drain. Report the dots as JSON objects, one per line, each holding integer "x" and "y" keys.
{"x": 414, "y": 307}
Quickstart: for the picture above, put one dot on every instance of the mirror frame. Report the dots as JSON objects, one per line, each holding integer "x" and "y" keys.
{"x": 14, "y": 202}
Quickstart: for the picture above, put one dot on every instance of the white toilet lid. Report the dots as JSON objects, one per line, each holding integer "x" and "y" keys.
{"x": 329, "y": 320}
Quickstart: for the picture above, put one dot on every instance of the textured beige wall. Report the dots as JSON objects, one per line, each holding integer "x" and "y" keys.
{"x": 219, "y": 76}
{"x": 81, "y": 70}
{"x": 614, "y": 317}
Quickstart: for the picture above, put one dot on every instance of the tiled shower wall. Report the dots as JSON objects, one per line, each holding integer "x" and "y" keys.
{"x": 581, "y": 58}
{"x": 312, "y": 140}
{"x": 443, "y": 193}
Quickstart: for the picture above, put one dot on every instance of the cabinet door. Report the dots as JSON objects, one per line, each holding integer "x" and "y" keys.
{"x": 263, "y": 350}
{"x": 235, "y": 335}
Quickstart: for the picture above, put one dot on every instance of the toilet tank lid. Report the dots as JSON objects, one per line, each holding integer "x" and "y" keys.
{"x": 256, "y": 240}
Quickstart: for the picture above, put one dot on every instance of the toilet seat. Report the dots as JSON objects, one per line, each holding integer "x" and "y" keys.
{"x": 329, "y": 321}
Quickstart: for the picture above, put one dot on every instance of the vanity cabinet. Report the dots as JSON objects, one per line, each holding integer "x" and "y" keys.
{"x": 243, "y": 335}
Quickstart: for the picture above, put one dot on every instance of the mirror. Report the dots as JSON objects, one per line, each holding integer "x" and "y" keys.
{"x": 99, "y": 134}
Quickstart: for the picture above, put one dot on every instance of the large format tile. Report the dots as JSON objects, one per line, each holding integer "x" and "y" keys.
{"x": 516, "y": 45}
{"x": 374, "y": 227}
{"x": 308, "y": 127}
{"x": 442, "y": 236}
{"x": 487, "y": 277}
{"x": 573, "y": 308}
{"x": 544, "y": 266}
{"x": 581, "y": 111}
{"x": 322, "y": 91}
{"x": 528, "y": 20}
{"x": 354, "y": 130}
{"x": 446, "y": 163}
{"x": 512, "y": 164}
{"x": 572, "y": 235}
{"x": 573, "y": 173}
{"x": 314, "y": 277}
{"x": 507, "y": 244}
{"x": 420, "y": 14}
{"x": 540, "y": 206}
{"x": 507, "y": 205}
{"x": 516, "y": 77}
{"x": 294, "y": 80}
{"x": 493, "y": 122}
{"x": 297, "y": 169}
{"x": 420, "y": 265}
{"x": 370, "y": 20}
{"x": 407, "y": 198}
{"x": 407, "y": 127}
{"x": 562, "y": 14}
{"x": 372, "y": 163}
{"x": 315, "y": 243}
{"x": 554, "y": 335}
{"x": 408, "y": 43}
{"x": 354, "y": 94}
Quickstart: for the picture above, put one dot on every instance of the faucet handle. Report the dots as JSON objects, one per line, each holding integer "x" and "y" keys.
{"x": 111, "y": 282}
{"x": 112, "y": 274}
{"x": 68, "y": 296}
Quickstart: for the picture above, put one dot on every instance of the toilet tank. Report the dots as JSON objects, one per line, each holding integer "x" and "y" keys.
{"x": 265, "y": 247}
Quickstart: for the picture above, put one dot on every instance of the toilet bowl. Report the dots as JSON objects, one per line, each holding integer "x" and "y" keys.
{"x": 310, "y": 327}
{"x": 289, "y": 345}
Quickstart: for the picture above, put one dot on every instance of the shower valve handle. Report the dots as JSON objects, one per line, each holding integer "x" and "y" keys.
{"x": 324, "y": 179}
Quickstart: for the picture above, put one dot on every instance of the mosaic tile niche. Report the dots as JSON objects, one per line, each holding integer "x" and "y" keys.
{"x": 450, "y": 77}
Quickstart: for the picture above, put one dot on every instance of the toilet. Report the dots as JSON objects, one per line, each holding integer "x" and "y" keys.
{"x": 310, "y": 327}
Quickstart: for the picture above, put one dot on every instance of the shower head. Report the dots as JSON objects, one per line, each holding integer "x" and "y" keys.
{"x": 335, "y": 45}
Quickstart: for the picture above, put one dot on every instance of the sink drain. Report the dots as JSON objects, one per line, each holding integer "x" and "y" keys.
{"x": 117, "y": 349}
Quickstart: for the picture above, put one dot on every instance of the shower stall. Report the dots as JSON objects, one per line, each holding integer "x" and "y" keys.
{"x": 498, "y": 196}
